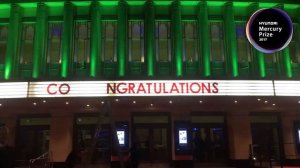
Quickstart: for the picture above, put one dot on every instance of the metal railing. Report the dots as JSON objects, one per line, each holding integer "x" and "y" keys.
{"x": 43, "y": 161}
{"x": 265, "y": 156}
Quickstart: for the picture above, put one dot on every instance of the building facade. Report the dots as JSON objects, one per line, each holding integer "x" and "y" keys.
{"x": 239, "y": 105}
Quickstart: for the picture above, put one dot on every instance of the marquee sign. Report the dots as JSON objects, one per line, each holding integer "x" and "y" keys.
{"x": 13, "y": 89}
{"x": 149, "y": 88}
{"x": 287, "y": 88}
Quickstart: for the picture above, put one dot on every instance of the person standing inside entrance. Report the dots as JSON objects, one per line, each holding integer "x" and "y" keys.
{"x": 6, "y": 152}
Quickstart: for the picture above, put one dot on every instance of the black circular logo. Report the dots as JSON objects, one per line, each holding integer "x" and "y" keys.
{"x": 269, "y": 30}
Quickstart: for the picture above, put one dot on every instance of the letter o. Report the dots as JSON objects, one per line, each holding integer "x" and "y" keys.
{"x": 195, "y": 91}
{"x": 62, "y": 91}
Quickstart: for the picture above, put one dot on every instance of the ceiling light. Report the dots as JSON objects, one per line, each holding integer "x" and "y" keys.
{"x": 258, "y": 99}
{"x": 299, "y": 101}
{"x": 266, "y": 101}
{"x": 273, "y": 104}
{"x": 200, "y": 101}
{"x": 117, "y": 100}
{"x": 235, "y": 101}
{"x": 34, "y": 103}
{"x": 170, "y": 101}
{"x": 87, "y": 105}
{"x": 67, "y": 103}
{"x": 133, "y": 101}
{"x": 44, "y": 101}
{"x": 102, "y": 102}
{"x": 0, "y": 104}
{"x": 151, "y": 105}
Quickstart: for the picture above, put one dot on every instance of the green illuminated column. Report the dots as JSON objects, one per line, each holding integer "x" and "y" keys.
{"x": 177, "y": 37}
{"x": 287, "y": 62}
{"x": 259, "y": 58}
{"x": 231, "y": 42}
{"x": 149, "y": 36}
{"x": 66, "y": 57}
{"x": 261, "y": 63}
{"x": 40, "y": 39}
{"x": 13, "y": 42}
{"x": 204, "y": 48}
{"x": 284, "y": 57}
{"x": 122, "y": 34}
{"x": 95, "y": 58}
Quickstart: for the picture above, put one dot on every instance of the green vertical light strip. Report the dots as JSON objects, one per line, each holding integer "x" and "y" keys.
{"x": 14, "y": 32}
{"x": 283, "y": 57}
{"x": 232, "y": 61}
{"x": 122, "y": 34}
{"x": 40, "y": 38}
{"x": 261, "y": 64}
{"x": 66, "y": 57}
{"x": 204, "y": 47}
{"x": 287, "y": 63}
{"x": 259, "y": 59}
{"x": 95, "y": 57}
{"x": 149, "y": 36}
{"x": 177, "y": 37}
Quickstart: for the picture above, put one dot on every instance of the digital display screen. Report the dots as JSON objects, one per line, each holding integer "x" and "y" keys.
{"x": 121, "y": 137}
{"x": 182, "y": 137}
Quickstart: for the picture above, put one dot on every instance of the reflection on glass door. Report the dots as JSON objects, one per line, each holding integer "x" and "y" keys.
{"x": 152, "y": 142}
{"x": 85, "y": 138}
{"x": 209, "y": 144}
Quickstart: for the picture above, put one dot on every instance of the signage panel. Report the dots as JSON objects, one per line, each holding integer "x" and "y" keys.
{"x": 13, "y": 89}
{"x": 182, "y": 136}
{"x": 151, "y": 88}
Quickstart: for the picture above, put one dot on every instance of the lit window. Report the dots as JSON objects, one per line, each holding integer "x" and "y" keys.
{"x": 27, "y": 43}
{"x": 294, "y": 46}
{"x": 54, "y": 43}
{"x": 82, "y": 44}
{"x": 163, "y": 41}
{"x": 190, "y": 42}
{"x": 243, "y": 45}
{"x": 3, "y": 42}
{"x": 136, "y": 41}
{"x": 109, "y": 41}
{"x": 217, "y": 42}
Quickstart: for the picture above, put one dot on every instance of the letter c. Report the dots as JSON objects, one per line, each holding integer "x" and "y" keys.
{"x": 49, "y": 87}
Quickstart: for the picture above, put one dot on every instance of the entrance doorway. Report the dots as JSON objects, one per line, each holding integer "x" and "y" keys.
{"x": 86, "y": 138}
{"x": 152, "y": 135}
{"x": 209, "y": 143}
{"x": 266, "y": 144}
{"x": 32, "y": 137}
{"x": 152, "y": 142}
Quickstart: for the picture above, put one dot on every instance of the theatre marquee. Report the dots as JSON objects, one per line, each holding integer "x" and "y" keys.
{"x": 149, "y": 88}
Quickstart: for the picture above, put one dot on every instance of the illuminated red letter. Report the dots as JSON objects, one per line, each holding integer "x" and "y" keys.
{"x": 64, "y": 91}
{"x": 48, "y": 89}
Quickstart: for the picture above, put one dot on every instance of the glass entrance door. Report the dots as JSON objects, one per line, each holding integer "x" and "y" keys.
{"x": 209, "y": 143}
{"x": 265, "y": 141}
{"x": 86, "y": 138}
{"x": 32, "y": 141}
{"x": 32, "y": 138}
{"x": 153, "y": 142}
